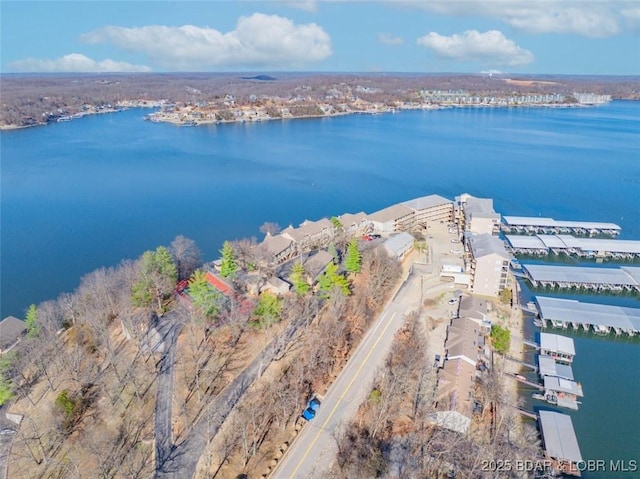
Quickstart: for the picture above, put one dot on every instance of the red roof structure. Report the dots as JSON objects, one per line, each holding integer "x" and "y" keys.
{"x": 218, "y": 284}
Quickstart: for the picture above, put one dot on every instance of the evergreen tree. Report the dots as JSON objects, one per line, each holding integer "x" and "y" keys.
{"x": 336, "y": 223}
{"x": 158, "y": 276}
{"x": 205, "y": 297}
{"x": 268, "y": 309}
{"x": 353, "y": 258}
{"x": 228, "y": 266}
{"x": 299, "y": 279}
{"x": 331, "y": 279}
{"x": 31, "y": 321}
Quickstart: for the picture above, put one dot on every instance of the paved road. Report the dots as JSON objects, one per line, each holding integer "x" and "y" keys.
{"x": 169, "y": 328}
{"x": 7, "y": 431}
{"x": 313, "y": 451}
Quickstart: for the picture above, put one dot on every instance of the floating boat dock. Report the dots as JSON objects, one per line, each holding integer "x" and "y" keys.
{"x": 534, "y": 225}
{"x": 563, "y": 392}
{"x": 550, "y": 367}
{"x": 560, "y": 348}
{"x": 600, "y": 318}
{"x": 570, "y": 245}
{"x": 560, "y": 442}
{"x": 618, "y": 279}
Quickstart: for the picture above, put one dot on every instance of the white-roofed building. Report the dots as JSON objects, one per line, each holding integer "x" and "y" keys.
{"x": 398, "y": 246}
{"x": 560, "y": 441}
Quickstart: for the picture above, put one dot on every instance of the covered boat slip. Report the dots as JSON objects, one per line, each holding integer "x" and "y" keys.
{"x": 529, "y": 225}
{"x": 601, "y": 318}
{"x": 560, "y": 348}
{"x": 548, "y": 366}
{"x": 567, "y": 244}
{"x": 625, "y": 278}
{"x": 559, "y": 385}
{"x": 560, "y": 441}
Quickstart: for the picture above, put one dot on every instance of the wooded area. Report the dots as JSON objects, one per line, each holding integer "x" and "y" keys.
{"x": 30, "y": 99}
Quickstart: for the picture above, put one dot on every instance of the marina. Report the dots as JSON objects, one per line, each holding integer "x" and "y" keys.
{"x": 616, "y": 279}
{"x": 600, "y": 318}
{"x": 534, "y": 225}
{"x": 623, "y": 250}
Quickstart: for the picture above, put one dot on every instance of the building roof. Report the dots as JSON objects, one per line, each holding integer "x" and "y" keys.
{"x": 479, "y": 208}
{"x": 559, "y": 437}
{"x": 391, "y": 213}
{"x": 557, "y": 343}
{"x": 581, "y": 274}
{"x": 316, "y": 264}
{"x": 456, "y": 382}
{"x": 399, "y": 243}
{"x": 307, "y": 229}
{"x": 11, "y": 328}
{"x": 572, "y": 311}
{"x": 551, "y": 223}
{"x": 549, "y": 367}
{"x": 350, "y": 219}
{"x": 473, "y": 307}
{"x": 426, "y": 202}
{"x": 218, "y": 283}
{"x": 553, "y": 383}
{"x": 276, "y": 244}
{"x": 463, "y": 339}
{"x": 568, "y": 241}
{"x": 486, "y": 244}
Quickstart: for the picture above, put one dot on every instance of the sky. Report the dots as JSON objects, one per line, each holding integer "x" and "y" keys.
{"x": 584, "y": 37}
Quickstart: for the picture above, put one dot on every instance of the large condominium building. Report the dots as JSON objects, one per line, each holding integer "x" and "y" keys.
{"x": 478, "y": 215}
{"x": 488, "y": 263}
{"x": 392, "y": 219}
{"x": 430, "y": 209}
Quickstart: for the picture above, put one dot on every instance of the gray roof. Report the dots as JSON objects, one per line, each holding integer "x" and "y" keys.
{"x": 307, "y": 228}
{"x": 480, "y": 207}
{"x": 391, "y": 213}
{"x": 581, "y": 274}
{"x": 560, "y": 440}
{"x": 554, "y": 383}
{"x": 399, "y": 242}
{"x": 349, "y": 219}
{"x": 568, "y": 241}
{"x": 551, "y": 223}
{"x": 425, "y": 202}
{"x": 473, "y": 307}
{"x": 557, "y": 343}
{"x": 486, "y": 244}
{"x": 549, "y": 367}
{"x": 316, "y": 264}
{"x": 572, "y": 311}
{"x": 276, "y": 244}
{"x": 11, "y": 328}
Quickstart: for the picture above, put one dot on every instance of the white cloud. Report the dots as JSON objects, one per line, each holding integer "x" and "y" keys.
{"x": 591, "y": 18}
{"x": 388, "y": 39}
{"x": 491, "y": 47}
{"x": 74, "y": 62}
{"x": 258, "y": 40}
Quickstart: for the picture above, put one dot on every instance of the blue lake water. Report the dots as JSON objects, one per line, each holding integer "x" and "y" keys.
{"x": 88, "y": 193}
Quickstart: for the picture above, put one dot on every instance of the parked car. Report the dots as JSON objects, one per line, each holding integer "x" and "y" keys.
{"x": 453, "y": 301}
{"x": 311, "y": 410}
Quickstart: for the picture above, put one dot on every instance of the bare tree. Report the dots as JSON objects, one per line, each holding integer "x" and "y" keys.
{"x": 270, "y": 228}
{"x": 186, "y": 255}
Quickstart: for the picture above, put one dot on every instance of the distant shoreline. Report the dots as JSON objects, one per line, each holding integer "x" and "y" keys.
{"x": 156, "y": 116}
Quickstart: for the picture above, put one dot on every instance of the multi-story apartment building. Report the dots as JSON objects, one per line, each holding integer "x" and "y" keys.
{"x": 488, "y": 263}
